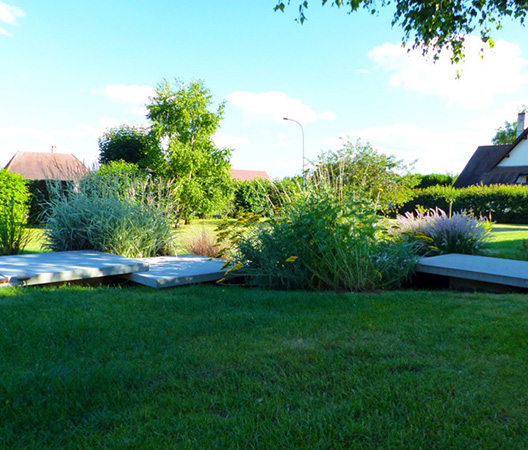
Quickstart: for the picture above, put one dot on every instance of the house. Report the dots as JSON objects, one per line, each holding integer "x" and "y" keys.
{"x": 249, "y": 175}
{"x": 47, "y": 166}
{"x": 499, "y": 164}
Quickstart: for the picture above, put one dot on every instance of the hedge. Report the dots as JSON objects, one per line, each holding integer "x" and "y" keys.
{"x": 501, "y": 203}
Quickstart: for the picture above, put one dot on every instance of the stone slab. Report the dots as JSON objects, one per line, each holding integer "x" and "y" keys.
{"x": 55, "y": 267}
{"x": 170, "y": 271}
{"x": 484, "y": 269}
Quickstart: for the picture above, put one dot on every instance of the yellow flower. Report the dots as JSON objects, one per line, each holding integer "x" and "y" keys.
{"x": 291, "y": 259}
{"x": 220, "y": 280}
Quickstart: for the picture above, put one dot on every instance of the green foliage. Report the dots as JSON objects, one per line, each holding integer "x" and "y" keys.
{"x": 320, "y": 241}
{"x": 14, "y": 198}
{"x": 500, "y": 203}
{"x": 259, "y": 196}
{"x": 127, "y": 182}
{"x": 435, "y": 179}
{"x": 41, "y": 195}
{"x": 114, "y": 211}
{"x": 366, "y": 174}
{"x": 131, "y": 144}
{"x": 437, "y": 24}
{"x": 505, "y": 134}
{"x": 181, "y": 119}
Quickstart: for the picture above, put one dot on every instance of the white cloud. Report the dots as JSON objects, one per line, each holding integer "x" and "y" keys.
{"x": 433, "y": 151}
{"x": 276, "y": 105}
{"x": 127, "y": 94}
{"x": 9, "y": 13}
{"x": 502, "y": 70}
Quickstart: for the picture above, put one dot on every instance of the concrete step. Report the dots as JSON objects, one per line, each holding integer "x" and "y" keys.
{"x": 56, "y": 267}
{"x": 478, "y": 269}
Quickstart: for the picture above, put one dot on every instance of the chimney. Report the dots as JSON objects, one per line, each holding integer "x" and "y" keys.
{"x": 521, "y": 123}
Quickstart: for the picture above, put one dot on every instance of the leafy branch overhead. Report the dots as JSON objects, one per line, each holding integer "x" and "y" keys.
{"x": 435, "y": 25}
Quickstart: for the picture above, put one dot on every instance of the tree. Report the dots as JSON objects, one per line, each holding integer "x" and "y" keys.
{"x": 505, "y": 134}
{"x": 131, "y": 144}
{"x": 435, "y": 24}
{"x": 367, "y": 174}
{"x": 182, "y": 122}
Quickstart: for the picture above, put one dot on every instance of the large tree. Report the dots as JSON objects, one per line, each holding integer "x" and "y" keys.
{"x": 184, "y": 125}
{"x": 435, "y": 24}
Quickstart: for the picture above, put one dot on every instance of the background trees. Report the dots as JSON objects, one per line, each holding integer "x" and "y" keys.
{"x": 178, "y": 145}
{"x": 505, "y": 134}
{"x": 435, "y": 24}
{"x": 367, "y": 174}
{"x": 131, "y": 144}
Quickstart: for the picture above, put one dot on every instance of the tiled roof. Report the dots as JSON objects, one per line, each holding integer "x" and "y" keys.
{"x": 47, "y": 166}
{"x": 249, "y": 175}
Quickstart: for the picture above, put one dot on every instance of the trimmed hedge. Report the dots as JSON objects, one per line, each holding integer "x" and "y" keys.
{"x": 501, "y": 203}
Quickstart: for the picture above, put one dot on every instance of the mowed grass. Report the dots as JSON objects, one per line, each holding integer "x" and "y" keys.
{"x": 509, "y": 241}
{"x": 209, "y": 367}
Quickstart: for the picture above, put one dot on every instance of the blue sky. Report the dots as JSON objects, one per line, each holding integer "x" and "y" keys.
{"x": 72, "y": 69}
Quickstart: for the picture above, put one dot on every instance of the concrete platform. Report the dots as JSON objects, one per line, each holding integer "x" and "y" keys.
{"x": 55, "y": 267}
{"x": 170, "y": 271}
{"x": 480, "y": 269}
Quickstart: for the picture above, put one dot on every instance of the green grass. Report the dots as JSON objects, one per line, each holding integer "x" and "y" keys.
{"x": 507, "y": 241}
{"x": 210, "y": 367}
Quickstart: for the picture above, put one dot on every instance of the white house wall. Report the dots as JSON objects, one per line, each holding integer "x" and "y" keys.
{"x": 518, "y": 156}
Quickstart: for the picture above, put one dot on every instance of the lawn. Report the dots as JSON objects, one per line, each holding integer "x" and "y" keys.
{"x": 225, "y": 367}
{"x": 509, "y": 241}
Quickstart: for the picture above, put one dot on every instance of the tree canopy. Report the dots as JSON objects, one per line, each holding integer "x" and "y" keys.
{"x": 505, "y": 134}
{"x": 184, "y": 125}
{"x": 128, "y": 143}
{"x": 435, "y": 24}
{"x": 367, "y": 174}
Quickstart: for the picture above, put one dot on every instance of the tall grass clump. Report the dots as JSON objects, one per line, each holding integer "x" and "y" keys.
{"x": 14, "y": 208}
{"x": 436, "y": 233}
{"x": 321, "y": 241}
{"x": 114, "y": 213}
{"x": 204, "y": 244}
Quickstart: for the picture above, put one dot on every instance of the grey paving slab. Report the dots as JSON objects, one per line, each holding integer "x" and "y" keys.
{"x": 479, "y": 268}
{"x": 170, "y": 271}
{"x": 54, "y": 267}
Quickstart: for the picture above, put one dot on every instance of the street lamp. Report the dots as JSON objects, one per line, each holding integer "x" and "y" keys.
{"x": 302, "y": 131}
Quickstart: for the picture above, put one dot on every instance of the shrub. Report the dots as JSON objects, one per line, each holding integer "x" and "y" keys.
{"x": 437, "y": 233}
{"x": 124, "y": 219}
{"x": 40, "y": 195}
{"x": 320, "y": 241}
{"x": 14, "y": 197}
{"x": 258, "y": 196}
{"x": 203, "y": 244}
{"x": 126, "y": 182}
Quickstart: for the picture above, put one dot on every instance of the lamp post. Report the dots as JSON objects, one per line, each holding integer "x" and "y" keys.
{"x": 302, "y": 131}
